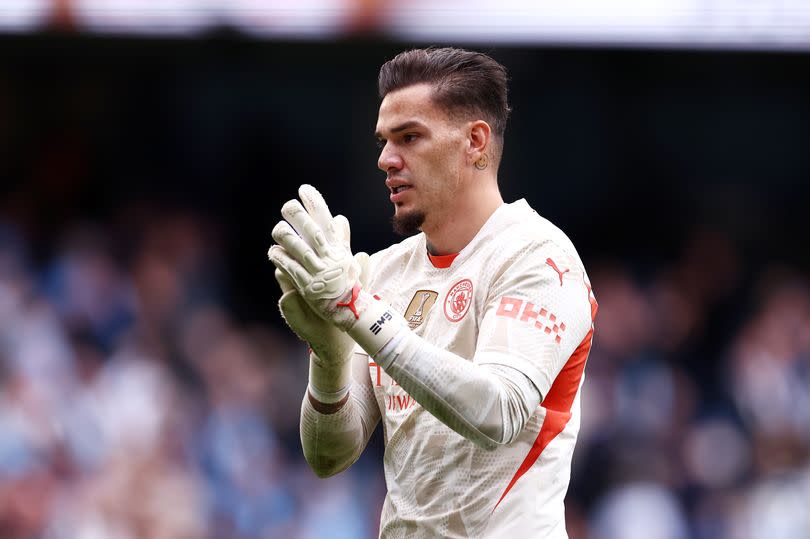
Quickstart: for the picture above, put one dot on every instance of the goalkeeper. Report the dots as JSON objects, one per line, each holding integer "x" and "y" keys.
{"x": 468, "y": 340}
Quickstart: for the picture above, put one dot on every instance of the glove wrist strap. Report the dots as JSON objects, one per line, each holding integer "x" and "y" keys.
{"x": 328, "y": 383}
{"x": 376, "y": 325}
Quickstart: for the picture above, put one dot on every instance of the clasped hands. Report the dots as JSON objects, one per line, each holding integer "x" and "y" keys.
{"x": 323, "y": 300}
{"x": 319, "y": 278}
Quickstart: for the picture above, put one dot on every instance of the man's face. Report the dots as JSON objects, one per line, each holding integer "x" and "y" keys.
{"x": 423, "y": 153}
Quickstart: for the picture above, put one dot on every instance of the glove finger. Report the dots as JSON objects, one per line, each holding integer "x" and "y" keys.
{"x": 296, "y": 247}
{"x": 284, "y": 281}
{"x": 305, "y": 226}
{"x": 316, "y": 206}
{"x": 343, "y": 231}
{"x": 362, "y": 260}
{"x": 283, "y": 261}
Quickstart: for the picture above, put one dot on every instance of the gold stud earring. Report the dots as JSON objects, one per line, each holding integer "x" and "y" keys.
{"x": 482, "y": 162}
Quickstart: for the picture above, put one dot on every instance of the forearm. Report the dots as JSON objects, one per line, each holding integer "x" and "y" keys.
{"x": 331, "y": 442}
{"x": 328, "y": 381}
{"x": 333, "y": 435}
{"x": 487, "y": 404}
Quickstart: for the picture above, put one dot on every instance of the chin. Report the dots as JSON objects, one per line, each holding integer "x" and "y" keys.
{"x": 407, "y": 223}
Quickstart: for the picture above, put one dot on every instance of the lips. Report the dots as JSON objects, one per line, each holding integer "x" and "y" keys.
{"x": 399, "y": 192}
{"x": 398, "y": 189}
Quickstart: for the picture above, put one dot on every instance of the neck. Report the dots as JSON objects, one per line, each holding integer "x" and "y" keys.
{"x": 471, "y": 209}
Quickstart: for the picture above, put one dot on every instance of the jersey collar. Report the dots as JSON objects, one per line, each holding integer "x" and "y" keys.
{"x": 442, "y": 261}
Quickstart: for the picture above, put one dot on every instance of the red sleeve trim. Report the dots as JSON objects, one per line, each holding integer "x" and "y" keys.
{"x": 558, "y": 402}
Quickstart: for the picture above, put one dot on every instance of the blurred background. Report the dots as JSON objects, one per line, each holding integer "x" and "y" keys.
{"x": 148, "y": 387}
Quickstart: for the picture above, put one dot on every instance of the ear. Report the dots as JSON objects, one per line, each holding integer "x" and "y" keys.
{"x": 480, "y": 135}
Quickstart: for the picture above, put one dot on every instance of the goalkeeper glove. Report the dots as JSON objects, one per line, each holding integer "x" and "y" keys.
{"x": 325, "y": 273}
{"x": 331, "y": 348}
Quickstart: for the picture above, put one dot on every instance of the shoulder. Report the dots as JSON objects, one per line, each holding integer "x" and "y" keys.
{"x": 521, "y": 236}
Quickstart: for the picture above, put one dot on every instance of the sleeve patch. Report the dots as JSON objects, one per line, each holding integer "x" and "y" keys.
{"x": 532, "y": 315}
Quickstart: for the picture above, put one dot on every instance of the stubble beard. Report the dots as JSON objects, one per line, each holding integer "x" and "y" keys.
{"x": 408, "y": 224}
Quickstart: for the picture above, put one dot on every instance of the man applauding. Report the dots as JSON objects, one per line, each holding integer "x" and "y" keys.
{"x": 468, "y": 339}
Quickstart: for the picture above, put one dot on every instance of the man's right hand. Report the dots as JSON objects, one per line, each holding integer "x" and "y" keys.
{"x": 331, "y": 348}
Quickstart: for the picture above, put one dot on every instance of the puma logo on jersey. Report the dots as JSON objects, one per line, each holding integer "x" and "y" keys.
{"x": 551, "y": 263}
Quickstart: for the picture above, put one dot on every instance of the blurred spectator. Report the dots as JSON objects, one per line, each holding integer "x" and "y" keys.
{"x": 133, "y": 405}
{"x": 639, "y": 511}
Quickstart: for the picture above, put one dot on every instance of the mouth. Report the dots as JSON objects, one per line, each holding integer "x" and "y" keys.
{"x": 398, "y": 193}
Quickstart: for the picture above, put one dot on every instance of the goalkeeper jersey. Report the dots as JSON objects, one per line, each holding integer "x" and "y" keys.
{"x": 517, "y": 295}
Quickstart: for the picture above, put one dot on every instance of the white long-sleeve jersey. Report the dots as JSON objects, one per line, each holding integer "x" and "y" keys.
{"x": 479, "y": 398}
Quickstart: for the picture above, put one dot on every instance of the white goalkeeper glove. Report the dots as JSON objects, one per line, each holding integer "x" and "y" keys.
{"x": 330, "y": 348}
{"x": 325, "y": 273}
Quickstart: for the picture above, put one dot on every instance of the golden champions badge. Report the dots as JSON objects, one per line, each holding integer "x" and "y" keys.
{"x": 419, "y": 307}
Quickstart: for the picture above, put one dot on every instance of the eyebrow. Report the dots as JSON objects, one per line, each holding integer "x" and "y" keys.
{"x": 401, "y": 127}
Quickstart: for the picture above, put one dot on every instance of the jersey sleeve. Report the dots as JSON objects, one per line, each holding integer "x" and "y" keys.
{"x": 333, "y": 442}
{"x": 537, "y": 312}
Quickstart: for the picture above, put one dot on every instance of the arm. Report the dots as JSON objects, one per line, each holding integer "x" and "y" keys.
{"x": 489, "y": 398}
{"x": 487, "y": 404}
{"x": 334, "y": 435}
{"x": 339, "y": 412}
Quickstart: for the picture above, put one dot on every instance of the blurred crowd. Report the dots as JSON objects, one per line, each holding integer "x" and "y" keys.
{"x": 134, "y": 404}
{"x": 696, "y": 410}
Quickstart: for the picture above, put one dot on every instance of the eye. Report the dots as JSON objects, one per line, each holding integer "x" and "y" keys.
{"x": 410, "y": 137}
{"x": 380, "y": 143}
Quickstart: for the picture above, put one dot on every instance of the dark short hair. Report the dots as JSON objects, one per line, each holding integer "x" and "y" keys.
{"x": 463, "y": 81}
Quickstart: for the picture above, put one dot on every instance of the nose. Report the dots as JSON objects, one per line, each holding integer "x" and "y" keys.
{"x": 389, "y": 160}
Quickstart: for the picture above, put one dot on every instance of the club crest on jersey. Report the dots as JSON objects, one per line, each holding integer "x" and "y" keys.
{"x": 458, "y": 300}
{"x": 419, "y": 307}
